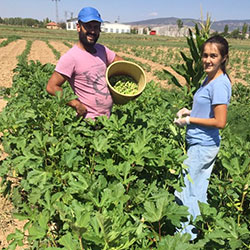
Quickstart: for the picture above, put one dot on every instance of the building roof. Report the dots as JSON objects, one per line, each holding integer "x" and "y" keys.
{"x": 52, "y": 24}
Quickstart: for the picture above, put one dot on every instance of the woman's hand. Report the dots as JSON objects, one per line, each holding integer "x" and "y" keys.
{"x": 218, "y": 121}
{"x": 181, "y": 122}
{"x": 183, "y": 112}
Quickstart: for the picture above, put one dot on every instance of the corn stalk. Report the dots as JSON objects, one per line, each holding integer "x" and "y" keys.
{"x": 192, "y": 69}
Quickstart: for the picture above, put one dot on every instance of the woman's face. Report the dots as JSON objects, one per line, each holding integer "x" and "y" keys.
{"x": 212, "y": 59}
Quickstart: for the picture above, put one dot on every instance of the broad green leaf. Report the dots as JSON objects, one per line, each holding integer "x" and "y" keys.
{"x": 36, "y": 232}
{"x": 68, "y": 242}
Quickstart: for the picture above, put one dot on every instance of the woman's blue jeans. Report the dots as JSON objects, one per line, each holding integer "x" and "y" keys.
{"x": 200, "y": 163}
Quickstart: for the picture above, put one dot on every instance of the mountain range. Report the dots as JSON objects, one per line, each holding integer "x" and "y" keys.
{"x": 216, "y": 25}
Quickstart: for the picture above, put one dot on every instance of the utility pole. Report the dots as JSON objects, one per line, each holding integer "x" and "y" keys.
{"x": 66, "y": 15}
{"x": 56, "y": 10}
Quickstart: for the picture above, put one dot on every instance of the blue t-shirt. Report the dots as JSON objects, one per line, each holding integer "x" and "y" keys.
{"x": 218, "y": 91}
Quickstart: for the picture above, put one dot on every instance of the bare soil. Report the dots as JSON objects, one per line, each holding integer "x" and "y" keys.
{"x": 8, "y": 61}
{"x": 41, "y": 52}
{"x": 2, "y": 39}
{"x": 59, "y": 46}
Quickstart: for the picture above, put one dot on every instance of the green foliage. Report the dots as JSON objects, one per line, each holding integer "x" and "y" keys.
{"x": 9, "y": 40}
{"x": 67, "y": 44}
{"x": 108, "y": 184}
{"x": 145, "y": 66}
{"x": 55, "y": 52}
{"x": 23, "y": 58}
{"x": 191, "y": 69}
{"x": 85, "y": 182}
{"x": 21, "y": 21}
{"x": 179, "y": 23}
{"x": 238, "y": 112}
{"x": 160, "y": 75}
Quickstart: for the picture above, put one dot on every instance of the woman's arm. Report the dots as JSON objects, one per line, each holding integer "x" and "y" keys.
{"x": 219, "y": 120}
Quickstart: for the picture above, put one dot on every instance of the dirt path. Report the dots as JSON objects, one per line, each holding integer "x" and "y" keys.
{"x": 41, "y": 52}
{"x": 2, "y": 39}
{"x": 8, "y": 61}
{"x": 59, "y": 46}
{"x": 7, "y": 223}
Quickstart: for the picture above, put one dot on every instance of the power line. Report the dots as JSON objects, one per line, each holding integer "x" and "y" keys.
{"x": 56, "y": 10}
{"x": 66, "y": 14}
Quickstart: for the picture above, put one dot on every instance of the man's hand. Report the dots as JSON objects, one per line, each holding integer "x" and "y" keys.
{"x": 183, "y": 112}
{"x": 79, "y": 107}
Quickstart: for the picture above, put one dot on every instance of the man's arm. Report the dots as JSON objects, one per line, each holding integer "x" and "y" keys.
{"x": 55, "y": 84}
{"x": 117, "y": 58}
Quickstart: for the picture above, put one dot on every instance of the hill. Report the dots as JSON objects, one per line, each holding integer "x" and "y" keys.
{"x": 216, "y": 25}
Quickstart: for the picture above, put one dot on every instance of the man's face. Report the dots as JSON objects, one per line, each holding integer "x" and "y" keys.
{"x": 89, "y": 33}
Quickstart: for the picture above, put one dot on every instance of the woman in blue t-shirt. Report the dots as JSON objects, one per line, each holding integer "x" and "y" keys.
{"x": 208, "y": 115}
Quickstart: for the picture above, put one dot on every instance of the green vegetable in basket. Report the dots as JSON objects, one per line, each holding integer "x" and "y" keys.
{"x": 124, "y": 84}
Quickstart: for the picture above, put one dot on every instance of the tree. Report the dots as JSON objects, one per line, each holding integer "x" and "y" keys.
{"x": 226, "y": 29}
{"x": 62, "y": 25}
{"x": 244, "y": 30}
{"x": 134, "y": 31}
{"x": 145, "y": 31}
{"x": 46, "y": 20}
{"x": 235, "y": 34}
{"x": 179, "y": 24}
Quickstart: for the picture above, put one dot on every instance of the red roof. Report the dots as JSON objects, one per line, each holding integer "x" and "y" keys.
{"x": 52, "y": 24}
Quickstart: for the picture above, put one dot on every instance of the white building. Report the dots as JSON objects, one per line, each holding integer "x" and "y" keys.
{"x": 105, "y": 26}
{"x": 71, "y": 24}
{"x": 172, "y": 30}
{"x": 115, "y": 28}
{"x": 164, "y": 30}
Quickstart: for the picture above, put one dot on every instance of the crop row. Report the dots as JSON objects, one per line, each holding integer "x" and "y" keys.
{"x": 109, "y": 183}
{"x": 166, "y": 55}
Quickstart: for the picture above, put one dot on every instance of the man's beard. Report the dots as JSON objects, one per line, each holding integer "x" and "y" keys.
{"x": 84, "y": 40}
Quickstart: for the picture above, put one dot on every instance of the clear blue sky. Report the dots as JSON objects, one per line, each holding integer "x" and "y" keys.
{"x": 128, "y": 10}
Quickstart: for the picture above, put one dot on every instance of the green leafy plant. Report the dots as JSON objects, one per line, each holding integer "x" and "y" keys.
{"x": 191, "y": 70}
{"x": 9, "y": 40}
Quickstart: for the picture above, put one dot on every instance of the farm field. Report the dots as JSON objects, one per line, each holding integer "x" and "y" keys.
{"x": 153, "y": 54}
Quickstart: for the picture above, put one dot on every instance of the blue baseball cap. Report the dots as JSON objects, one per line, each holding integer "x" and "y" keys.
{"x": 89, "y": 14}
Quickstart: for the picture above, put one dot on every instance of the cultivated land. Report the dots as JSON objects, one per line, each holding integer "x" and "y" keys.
{"x": 151, "y": 52}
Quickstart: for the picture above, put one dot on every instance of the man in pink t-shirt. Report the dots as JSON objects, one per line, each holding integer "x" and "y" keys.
{"x": 84, "y": 67}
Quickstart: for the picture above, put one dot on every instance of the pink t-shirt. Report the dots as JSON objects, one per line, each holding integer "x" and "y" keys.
{"x": 86, "y": 74}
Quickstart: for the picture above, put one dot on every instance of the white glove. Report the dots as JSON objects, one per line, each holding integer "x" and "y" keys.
{"x": 183, "y": 112}
{"x": 181, "y": 122}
